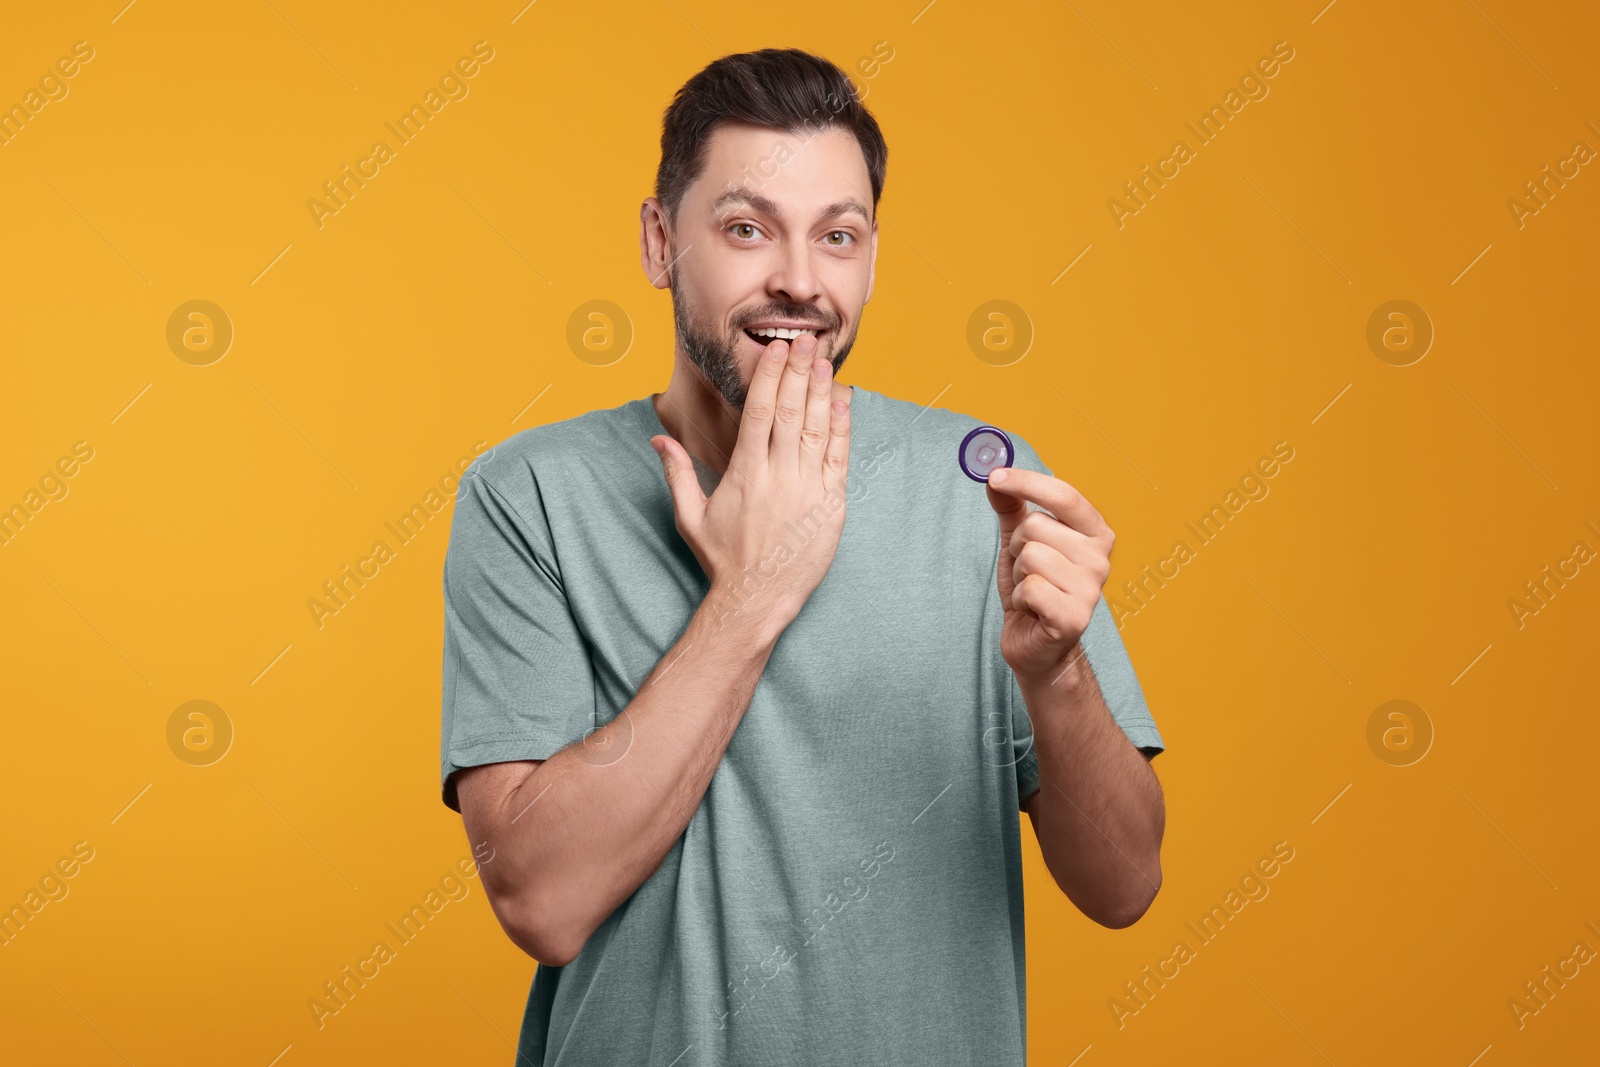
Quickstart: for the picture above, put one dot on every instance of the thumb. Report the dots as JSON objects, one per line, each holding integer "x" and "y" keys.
{"x": 1011, "y": 511}
{"x": 688, "y": 499}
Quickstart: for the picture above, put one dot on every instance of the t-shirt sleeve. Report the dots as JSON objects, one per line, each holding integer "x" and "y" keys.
{"x": 518, "y": 681}
{"x": 1113, "y": 672}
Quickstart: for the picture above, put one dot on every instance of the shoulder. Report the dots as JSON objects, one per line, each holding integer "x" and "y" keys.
{"x": 531, "y": 487}
{"x": 935, "y": 433}
{"x": 591, "y": 440}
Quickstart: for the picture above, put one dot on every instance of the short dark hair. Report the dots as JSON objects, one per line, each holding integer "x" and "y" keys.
{"x": 781, "y": 88}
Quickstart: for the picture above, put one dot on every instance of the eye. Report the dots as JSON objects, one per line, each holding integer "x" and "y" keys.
{"x": 744, "y": 226}
{"x": 842, "y": 233}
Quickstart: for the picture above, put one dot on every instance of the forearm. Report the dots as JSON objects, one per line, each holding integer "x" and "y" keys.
{"x": 1100, "y": 813}
{"x": 593, "y": 823}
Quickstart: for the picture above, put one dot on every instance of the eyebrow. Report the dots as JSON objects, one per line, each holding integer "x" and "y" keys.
{"x": 849, "y": 205}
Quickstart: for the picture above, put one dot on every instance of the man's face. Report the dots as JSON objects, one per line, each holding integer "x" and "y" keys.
{"x": 776, "y": 231}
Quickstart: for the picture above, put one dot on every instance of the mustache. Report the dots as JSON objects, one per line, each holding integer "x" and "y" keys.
{"x": 803, "y": 317}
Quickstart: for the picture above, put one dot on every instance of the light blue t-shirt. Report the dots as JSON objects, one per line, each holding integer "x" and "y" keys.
{"x": 849, "y": 890}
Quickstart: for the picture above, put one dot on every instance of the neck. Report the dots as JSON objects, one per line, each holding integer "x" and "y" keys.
{"x": 701, "y": 419}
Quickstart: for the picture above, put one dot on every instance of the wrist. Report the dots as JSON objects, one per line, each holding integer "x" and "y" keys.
{"x": 725, "y": 616}
{"x": 1069, "y": 674}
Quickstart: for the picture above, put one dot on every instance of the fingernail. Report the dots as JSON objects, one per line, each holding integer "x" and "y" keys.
{"x": 997, "y": 476}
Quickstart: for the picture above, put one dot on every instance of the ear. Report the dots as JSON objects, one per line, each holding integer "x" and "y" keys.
{"x": 872, "y": 264}
{"x": 655, "y": 243}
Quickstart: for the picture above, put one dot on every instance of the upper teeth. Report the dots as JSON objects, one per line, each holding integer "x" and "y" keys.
{"x": 780, "y": 332}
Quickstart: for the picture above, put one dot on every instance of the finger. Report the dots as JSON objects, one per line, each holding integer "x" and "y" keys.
{"x": 836, "y": 462}
{"x": 688, "y": 499}
{"x": 1038, "y": 558}
{"x": 1059, "y": 613}
{"x": 790, "y": 410}
{"x": 1042, "y": 527}
{"x": 814, "y": 431}
{"x": 1011, "y": 511}
{"x": 760, "y": 401}
{"x": 1053, "y": 494}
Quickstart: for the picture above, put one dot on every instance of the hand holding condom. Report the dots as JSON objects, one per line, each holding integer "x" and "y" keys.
{"x": 1052, "y": 563}
{"x": 983, "y": 450}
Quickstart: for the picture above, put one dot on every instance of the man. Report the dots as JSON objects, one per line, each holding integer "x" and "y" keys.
{"x": 748, "y": 726}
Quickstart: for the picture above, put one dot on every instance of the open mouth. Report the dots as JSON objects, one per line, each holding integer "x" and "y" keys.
{"x": 767, "y": 336}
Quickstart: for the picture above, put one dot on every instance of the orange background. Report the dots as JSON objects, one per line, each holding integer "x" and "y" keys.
{"x": 428, "y": 314}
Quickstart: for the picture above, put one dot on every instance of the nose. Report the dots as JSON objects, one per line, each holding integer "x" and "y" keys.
{"x": 794, "y": 277}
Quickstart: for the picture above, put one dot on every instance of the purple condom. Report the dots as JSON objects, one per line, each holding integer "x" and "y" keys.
{"x": 983, "y": 450}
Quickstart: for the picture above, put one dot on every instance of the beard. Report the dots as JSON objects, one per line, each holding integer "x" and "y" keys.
{"x": 714, "y": 355}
